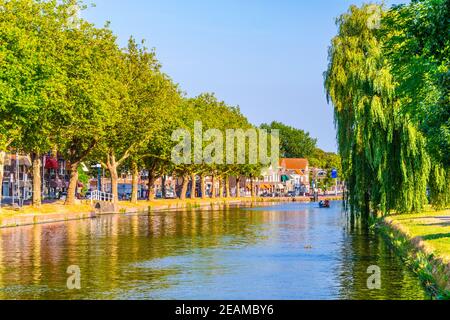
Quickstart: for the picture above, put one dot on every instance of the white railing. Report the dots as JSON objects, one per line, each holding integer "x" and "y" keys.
{"x": 101, "y": 196}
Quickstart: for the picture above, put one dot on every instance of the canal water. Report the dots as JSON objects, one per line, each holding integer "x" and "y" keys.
{"x": 289, "y": 251}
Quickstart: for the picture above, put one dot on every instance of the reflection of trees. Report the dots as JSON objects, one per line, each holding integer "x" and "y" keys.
{"x": 363, "y": 248}
{"x": 34, "y": 259}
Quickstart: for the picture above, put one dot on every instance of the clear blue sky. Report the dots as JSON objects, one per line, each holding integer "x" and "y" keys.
{"x": 268, "y": 57}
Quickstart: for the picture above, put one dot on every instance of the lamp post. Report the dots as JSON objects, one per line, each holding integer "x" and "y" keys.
{"x": 44, "y": 159}
{"x": 12, "y": 180}
{"x": 18, "y": 178}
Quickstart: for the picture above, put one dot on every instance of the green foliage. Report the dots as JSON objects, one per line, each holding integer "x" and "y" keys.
{"x": 31, "y": 80}
{"x": 92, "y": 89}
{"x": 83, "y": 177}
{"x": 417, "y": 42}
{"x": 325, "y": 160}
{"x": 205, "y": 108}
{"x": 384, "y": 157}
{"x": 147, "y": 101}
{"x": 294, "y": 143}
{"x": 440, "y": 187}
{"x": 65, "y": 85}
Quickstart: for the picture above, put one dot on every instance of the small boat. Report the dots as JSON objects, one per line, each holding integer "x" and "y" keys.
{"x": 324, "y": 204}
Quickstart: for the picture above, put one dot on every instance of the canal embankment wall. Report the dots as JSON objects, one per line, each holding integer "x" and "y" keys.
{"x": 58, "y": 213}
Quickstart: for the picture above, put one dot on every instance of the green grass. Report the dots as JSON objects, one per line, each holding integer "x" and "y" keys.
{"x": 433, "y": 227}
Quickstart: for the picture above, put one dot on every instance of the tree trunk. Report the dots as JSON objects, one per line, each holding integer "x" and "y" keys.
{"x": 2, "y": 168}
{"x": 203, "y": 186}
{"x": 114, "y": 184}
{"x": 73, "y": 184}
{"x": 112, "y": 168}
{"x": 184, "y": 188}
{"x": 227, "y": 187}
{"x": 151, "y": 187}
{"x": 37, "y": 198}
{"x": 253, "y": 187}
{"x": 220, "y": 187}
{"x": 193, "y": 186}
{"x": 366, "y": 211}
{"x": 134, "y": 182}
{"x": 213, "y": 187}
{"x": 163, "y": 186}
{"x": 238, "y": 187}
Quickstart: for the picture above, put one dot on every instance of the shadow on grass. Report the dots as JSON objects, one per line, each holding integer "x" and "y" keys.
{"x": 438, "y": 224}
{"x": 443, "y": 218}
{"x": 436, "y": 236}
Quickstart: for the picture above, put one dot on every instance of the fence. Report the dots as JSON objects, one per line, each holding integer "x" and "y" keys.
{"x": 101, "y": 196}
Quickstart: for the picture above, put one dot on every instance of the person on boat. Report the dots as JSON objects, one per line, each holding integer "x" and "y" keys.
{"x": 324, "y": 204}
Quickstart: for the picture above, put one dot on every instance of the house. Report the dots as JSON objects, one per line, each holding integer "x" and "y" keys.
{"x": 56, "y": 176}
{"x": 16, "y": 180}
{"x": 292, "y": 175}
{"x": 18, "y": 177}
{"x": 295, "y": 175}
{"x": 270, "y": 181}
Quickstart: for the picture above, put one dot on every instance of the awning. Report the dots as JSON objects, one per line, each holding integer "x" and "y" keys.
{"x": 51, "y": 163}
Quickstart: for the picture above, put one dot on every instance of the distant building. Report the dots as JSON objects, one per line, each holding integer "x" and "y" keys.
{"x": 270, "y": 181}
{"x": 291, "y": 176}
{"x": 16, "y": 180}
{"x": 295, "y": 175}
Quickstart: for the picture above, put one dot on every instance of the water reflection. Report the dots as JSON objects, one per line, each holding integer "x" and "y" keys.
{"x": 293, "y": 251}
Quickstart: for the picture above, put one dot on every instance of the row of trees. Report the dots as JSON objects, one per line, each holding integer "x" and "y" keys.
{"x": 388, "y": 79}
{"x": 66, "y": 86}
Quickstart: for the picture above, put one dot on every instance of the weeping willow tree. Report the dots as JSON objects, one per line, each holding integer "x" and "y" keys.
{"x": 384, "y": 156}
{"x": 417, "y": 43}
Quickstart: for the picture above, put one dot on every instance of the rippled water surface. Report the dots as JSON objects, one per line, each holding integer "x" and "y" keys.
{"x": 291, "y": 251}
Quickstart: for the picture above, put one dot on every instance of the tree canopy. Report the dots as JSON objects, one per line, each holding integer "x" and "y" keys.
{"x": 386, "y": 155}
{"x": 294, "y": 143}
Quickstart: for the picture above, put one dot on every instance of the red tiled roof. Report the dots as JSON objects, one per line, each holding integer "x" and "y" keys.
{"x": 294, "y": 164}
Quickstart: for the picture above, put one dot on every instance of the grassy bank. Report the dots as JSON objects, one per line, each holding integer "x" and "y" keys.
{"x": 423, "y": 240}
